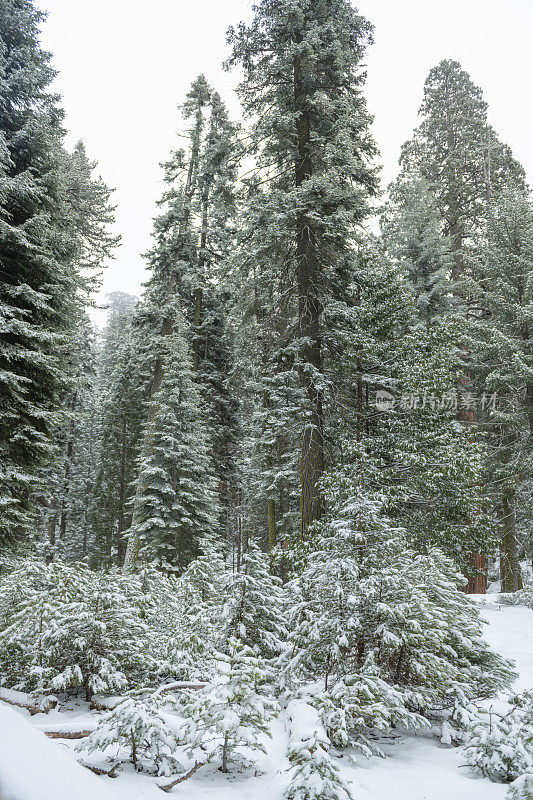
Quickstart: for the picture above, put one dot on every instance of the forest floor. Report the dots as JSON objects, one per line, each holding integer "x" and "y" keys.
{"x": 416, "y": 767}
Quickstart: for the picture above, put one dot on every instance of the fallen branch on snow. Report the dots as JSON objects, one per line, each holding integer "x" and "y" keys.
{"x": 168, "y": 786}
{"x": 22, "y": 700}
{"x": 111, "y": 773}
{"x": 67, "y": 735}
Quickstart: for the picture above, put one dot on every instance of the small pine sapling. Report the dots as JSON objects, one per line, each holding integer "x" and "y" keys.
{"x": 500, "y": 746}
{"x": 521, "y": 788}
{"x": 139, "y": 731}
{"x": 233, "y": 713}
{"x": 313, "y": 773}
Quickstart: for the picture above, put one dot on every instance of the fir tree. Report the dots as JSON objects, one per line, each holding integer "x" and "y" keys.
{"x": 376, "y": 622}
{"x": 459, "y": 155}
{"x": 412, "y": 230}
{"x": 138, "y": 725}
{"x": 254, "y": 605}
{"x": 37, "y": 287}
{"x": 232, "y": 714}
{"x": 175, "y": 499}
{"x": 302, "y": 84}
{"x": 314, "y": 774}
{"x": 500, "y": 343}
{"x": 122, "y": 389}
{"x": 500, "y": 746}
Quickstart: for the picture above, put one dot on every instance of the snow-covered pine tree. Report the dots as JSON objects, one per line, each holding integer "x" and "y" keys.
{"x": 412, "y": 231}
{"x": 459, "y": 156}
{"x": 463, "y": 164}
{"x": 138, "y": 730}
{"x": 499, "y": 338}
{"x": 175, "y": 500}
{"x": 521, "y": 788}
{"x": 233, "y": 713}
{"x": 37, "y": 285}
{"x": 170, "y": 258}
{"x": 500, "y": 746}
{"x": 192, "y": 236}
{"x": 254, "y": 606}
{"x": 199, "y": 589}
{"x": 207, "y": 294}
{"x": 302, "y": 87}
{"x": 313, "y": 773}
{"x": 122, "y": 387}
{"x": 66, "y": 498}
{"x": 388, "y": 631}
{"x": 414, "y": 451}
{"x": 67, "y": 629}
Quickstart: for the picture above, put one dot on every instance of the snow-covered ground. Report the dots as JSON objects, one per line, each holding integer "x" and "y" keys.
{"x": 417, "y": 768}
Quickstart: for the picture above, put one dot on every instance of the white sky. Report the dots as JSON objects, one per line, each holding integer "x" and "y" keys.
{"x": 125, "y": 65}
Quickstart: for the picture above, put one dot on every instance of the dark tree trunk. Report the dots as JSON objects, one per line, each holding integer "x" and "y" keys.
{"x": 309, "y": 308}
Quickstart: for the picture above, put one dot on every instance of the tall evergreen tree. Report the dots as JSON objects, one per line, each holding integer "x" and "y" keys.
{"x": 53, "y": 217}
{"x": 191, "y": 238}
{"x": 412, "y": 231}
{"x": 503, "y": 355}
{"x": 36, "y": 290}
{"x": 176, "y": 506}
{"x": 302, "y": 86}
{"x": 463, "y": 164}
{"x": 459, "y": 155}
{"x": 121, "y": 385}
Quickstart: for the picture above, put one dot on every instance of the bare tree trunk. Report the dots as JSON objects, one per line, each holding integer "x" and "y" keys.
{"x": 510, "y": 573}
{"x": 225, "y": 754}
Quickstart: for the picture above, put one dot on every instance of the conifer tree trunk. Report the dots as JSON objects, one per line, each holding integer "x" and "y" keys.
{"x": 307, "y": 275}
{"x": 198, "y": 292}
{"x": 510, "y": 573}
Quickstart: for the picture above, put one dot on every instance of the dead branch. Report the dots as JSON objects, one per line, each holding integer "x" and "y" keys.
{"x": 112, "y": 773}
{"x": 47, "y": 704}
{"x": 67, "y": 734}
{"x": 168, "y": 786}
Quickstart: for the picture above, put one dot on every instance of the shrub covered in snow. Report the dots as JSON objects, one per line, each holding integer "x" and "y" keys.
{"x": 524, "y": 597}
{"x": 137, "y": 730}
{"x": 500, "y": 746}
{"x": 66, "y": 628}
{"x": 234, "y": 712}
{"x": 387, "y": 630}
{"x": 313, "y": 773}
{"x": 521, "y": 788}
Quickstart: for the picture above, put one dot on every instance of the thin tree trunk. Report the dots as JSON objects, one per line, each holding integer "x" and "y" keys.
{"x": 225, "y": 754}
{"x": 510, "y": 573}
{"x": 271, "y": 514}
{"x": 198, "y": 292}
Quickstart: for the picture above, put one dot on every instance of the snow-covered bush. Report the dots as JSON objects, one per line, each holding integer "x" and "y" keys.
{"x": 521, "y": 788}
{"x": 254, "y": 606}
{"x": 364, "y": 703}
{"x": 234, "y": 712}
{"x": 386, "y": 629}
{"x": 200, "y": 592}
{"x": 66, "y": 628}
{"x": 137, "y": 730}
{"x": 313, "y": 773}
{"x": 524, "y": 597}
{"x": 500, "y": 746}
